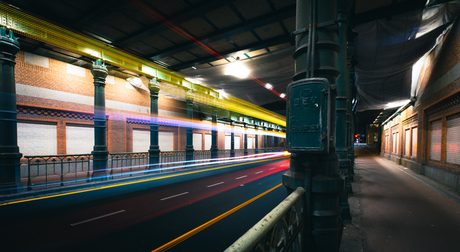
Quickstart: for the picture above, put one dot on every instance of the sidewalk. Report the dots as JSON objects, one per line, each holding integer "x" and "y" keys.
{"x": 395, "y": 209}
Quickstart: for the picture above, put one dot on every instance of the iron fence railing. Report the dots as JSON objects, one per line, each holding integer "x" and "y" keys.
{"x": 128, "y": 163}
{"x": 57, "y": 169}
{"x": 172, "y": 159}
{"x": 279, "y": 230}
{"x": 60, "y": 169}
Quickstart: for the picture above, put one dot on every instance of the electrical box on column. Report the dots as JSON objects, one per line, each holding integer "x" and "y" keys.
{"x": 308, "y": 112}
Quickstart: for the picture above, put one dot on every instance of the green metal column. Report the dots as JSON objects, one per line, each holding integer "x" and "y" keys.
{"x": 10, "y": 172}
{"x": 245, "y": 139}
{"x": 256, "y": 139}
{"x": 278, "y": 141}
{"x": 154, "y": 149}
{"x": 341, "y": 108}
{"x": 214, "y": 149}
{"x": 232, "y": 139}
{"x": 311, "y": 122}
{"x": 351, "y": 150}
{"x": 100, "y": 152}
{"x": 189, "y": 147}
{"x": 265, "y": 139}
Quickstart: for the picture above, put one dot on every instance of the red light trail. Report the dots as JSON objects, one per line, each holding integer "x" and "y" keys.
{"x": 184, "y": 34}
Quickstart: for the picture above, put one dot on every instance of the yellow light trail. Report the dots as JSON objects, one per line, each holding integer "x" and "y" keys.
{"x": 130, "y": 183}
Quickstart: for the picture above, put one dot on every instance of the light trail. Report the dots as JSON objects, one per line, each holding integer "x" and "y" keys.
{"x": 189, "y": 37}
{"x": 130, "y": 183}
{"x": 180, "y": 165}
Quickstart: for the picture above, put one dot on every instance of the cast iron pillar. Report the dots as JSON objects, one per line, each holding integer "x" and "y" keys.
{"x": 278, "y": 141}
{"x": 100, "y": 152}
{"x": 232, "y": 139}
{"x": 341, "y": 108}
{"x": 311, "y": 121}
{"x": 265, "y": 139}
{"x": 256, "y": 138}
{"x": 245, "y": 139}
{"x": 10, "y": 172}
{"x": 214, "y": 149}
{"x": 189, "y": 132}
{"x": 154, "y": 149}
{"x": 351, "y": 150}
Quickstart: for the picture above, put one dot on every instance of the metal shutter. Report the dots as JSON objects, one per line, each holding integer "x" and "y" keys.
{"x": 435, "y": 148}
{"x": 407, "y": 142}
{"x": 453, "y": 139}
{"x": 414, "y": 142}
{"x": 141, "y": 140}
{"x": 197, "y": 141}
{"x": 37, "y": 138}
{"x": 79, "y": 139}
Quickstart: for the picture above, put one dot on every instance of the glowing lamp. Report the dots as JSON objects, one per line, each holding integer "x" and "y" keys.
{"x": 237, "y": 69}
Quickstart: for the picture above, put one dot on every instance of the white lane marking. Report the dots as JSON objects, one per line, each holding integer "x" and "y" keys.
{"x": 272, "y": 168}
{"x": 259, "y": 172}
{"x": 242, "y": 177}
{"x": 96, "y": 218}
{"x": 215, "y": 184}
{"x": 180, "y": 194}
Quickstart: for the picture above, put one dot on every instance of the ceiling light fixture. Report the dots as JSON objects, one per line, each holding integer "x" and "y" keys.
{"x": 237, "y": 69}
{"x": 282, "y": 95}
{"x": 269, "y": 86}
{"x": 397, "y": 104}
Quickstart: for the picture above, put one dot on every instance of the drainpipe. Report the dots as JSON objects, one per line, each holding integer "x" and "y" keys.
{"x": 311, "y": 120}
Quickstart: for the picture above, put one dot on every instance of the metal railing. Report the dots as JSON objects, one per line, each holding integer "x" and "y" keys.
{"x": 172, "y": 158}
{"x": 61, "y": 169}
{"x": 57, "y": 169}
{"x": 279, "y": 230}
{"x": 126, "y": 163}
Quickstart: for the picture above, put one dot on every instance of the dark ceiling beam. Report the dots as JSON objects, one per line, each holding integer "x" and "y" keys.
{"x": 198, "y": 10}
{"x": 97, "y": 13}
{"x": 252, "y": 47}
{"x": 387, "y": 11}
{"x": 228, "y": 32}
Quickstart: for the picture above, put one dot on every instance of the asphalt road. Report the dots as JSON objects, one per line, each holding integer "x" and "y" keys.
{"x": 147, "y": 219}
{"x": 400, "y": 213}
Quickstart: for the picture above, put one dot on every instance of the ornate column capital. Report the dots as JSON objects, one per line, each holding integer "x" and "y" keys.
{"x": 99, "y": 71}
{"x": 154, "y": 85}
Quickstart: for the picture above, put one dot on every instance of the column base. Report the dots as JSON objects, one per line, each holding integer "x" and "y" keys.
{"x": 10, "y": 173}
{"x": 100, "y": 165}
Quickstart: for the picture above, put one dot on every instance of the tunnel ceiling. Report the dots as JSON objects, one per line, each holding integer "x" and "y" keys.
{"x": 198, "y": 38}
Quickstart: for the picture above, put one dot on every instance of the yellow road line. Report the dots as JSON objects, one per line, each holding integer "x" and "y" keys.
{"x": 209, "y": 223}
{"x": 130, "y": 183}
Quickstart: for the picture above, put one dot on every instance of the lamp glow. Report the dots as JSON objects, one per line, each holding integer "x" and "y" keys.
{"x": 397, "y": 104}
{"x": 237, "y": 69}
{"x": 282, "y": 95}
{"x": 268, "y": 86}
